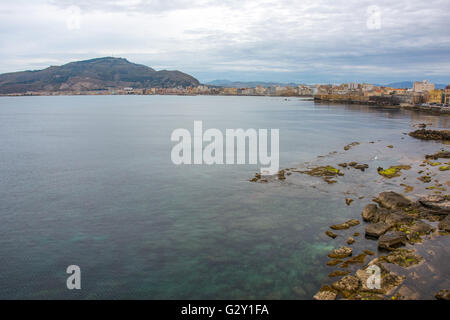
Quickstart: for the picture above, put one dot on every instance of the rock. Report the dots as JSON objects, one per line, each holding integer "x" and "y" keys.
{"x": 369, "y": 213}
{"x": 340, "y": 253}
{"x": 425, "y": 134}
{"x": 389, "y": 282}
{"x": 353, "y": 163}
{"x": 391, "y": 240}
{"x": 331, "y": 234}
{"x": 348, "y": 201}
{"x": 345, "y": 225}
{"x": 361, "y": 167}
{"x": 377, "y": 229}
{"x": 343, "y": 165}
{"x": 392, "y": 172}
{"x": 350, "y": 145}
{"x": 436, "y": 202}
{"x": 356, "y": 259}
{"x": 327, "y": 171}
{"x": 397, "y": 218}
{"x": 442, "y": 154}
{"x": 390, "y": 146}
{"x": 338, "y": 273}
{"x": 334, "y": 262}
{"x": 369, "y": 253}
{"x": 393, "y": 200}
{"x": 424, "y": 179}
{"x": 348, "y": 284}
{"x": 350, "y": 240}
{"x": 444, "y": 225}
{"x": 421, "y": 228}
{"x": 443, "y": 294}
{"x": 281, "y": 175}
{"x": 326, "y": 293}
{"x": 356, "y": 234}
{"x": 407, "y": 188}
{"x": 402, "y": 257}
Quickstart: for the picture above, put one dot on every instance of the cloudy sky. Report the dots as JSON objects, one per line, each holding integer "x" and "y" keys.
{"x": 309, "y": 41}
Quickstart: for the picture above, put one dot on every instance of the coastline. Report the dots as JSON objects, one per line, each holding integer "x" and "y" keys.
{"x": 410, "y": 229}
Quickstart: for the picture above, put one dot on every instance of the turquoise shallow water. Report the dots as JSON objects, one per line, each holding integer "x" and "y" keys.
{"x": 89, "y": 181}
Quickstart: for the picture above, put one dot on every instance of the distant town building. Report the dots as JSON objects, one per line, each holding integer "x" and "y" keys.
{"x": 423, "y": 86}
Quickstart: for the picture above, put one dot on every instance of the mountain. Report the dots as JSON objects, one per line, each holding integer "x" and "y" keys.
{"x": 248, "y": 84}
{"x": 94, "y": 74}
{"x": 409, "y": 84}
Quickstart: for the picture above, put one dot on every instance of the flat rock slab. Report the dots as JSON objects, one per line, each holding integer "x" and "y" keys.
{"x": 393, "y": 200}
{"x": 377, "y": 229}
{"x": 436, "y": 202}
{"x": 391, "y": 240}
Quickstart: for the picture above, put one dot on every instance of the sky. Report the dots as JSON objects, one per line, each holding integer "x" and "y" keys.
{"x": 302, "y": 41}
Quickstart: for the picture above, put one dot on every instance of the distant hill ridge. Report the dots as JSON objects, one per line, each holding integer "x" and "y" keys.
{"x": 93, "y": 74}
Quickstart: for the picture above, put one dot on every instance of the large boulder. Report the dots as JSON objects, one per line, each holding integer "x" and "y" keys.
{"x": 391, "y": 240}
{"x": 377, "y": 229}
{"x": 436, "y": 202}
{"x": 393, "y": 200}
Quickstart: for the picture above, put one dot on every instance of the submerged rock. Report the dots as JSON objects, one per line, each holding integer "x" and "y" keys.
{"x": 350, "y": 240}
{"x": 338, "y": 273}
{"x": 391, "y": 240}
{"x": 331, "y": 234}
{"x": 340, "y": 253}
{"x": 356, "y": 259}
{"x": 424, "y": 179}
{"x": 334, "y": 262}
{"x": 348, "y": 201}
{"x": 351, "y": 145}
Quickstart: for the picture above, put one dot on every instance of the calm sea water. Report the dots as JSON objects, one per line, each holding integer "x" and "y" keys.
{"x": 89, "y": 181}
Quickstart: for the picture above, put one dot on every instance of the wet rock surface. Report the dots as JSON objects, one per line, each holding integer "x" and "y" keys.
{"x": 391, "y": 240}
{"x": 396, "y": 221}
{"x": 340, "y": 253}
{"x": 425, "y": 134}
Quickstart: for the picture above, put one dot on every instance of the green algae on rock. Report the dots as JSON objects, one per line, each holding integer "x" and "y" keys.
{"x": 351, "y": 145}
{"x": 393, "y": 171}
{"x": 402, "y": 257}
{"x": 424, "y": 134}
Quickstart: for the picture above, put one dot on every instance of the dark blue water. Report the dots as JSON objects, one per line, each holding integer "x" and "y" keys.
{"x": 89, "y": 181}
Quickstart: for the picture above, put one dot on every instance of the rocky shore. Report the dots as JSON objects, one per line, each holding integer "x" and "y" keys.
{"x": 393, "y": 221}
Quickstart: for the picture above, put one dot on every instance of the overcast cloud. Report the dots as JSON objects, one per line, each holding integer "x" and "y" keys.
{"x": 310, "y": 41}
